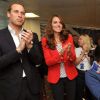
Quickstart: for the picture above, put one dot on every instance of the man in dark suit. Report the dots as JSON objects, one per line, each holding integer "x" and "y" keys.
{"x": 19, "y": 53}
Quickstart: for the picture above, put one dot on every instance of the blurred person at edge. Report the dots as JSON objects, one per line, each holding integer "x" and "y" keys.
{"x": 19, "y": 53}
{"x": 91, "y": 52}
{"x": 82, "y": 64}
{"x": 92, "y": 76}
{"x": 75, "y": 39}
{"x": 59, "y": 54}
{"x": 98, "y": 41}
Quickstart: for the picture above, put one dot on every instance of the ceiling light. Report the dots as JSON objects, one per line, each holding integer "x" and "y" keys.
{"x": 31, "y": 15}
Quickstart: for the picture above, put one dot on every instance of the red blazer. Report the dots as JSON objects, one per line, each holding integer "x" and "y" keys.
{"x": 53, "y": 60}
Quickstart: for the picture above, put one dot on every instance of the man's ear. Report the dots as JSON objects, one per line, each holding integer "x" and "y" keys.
{"x": 8, "y": 14}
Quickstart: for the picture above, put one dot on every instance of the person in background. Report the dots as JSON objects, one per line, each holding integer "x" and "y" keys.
{"x": 59, "y": 54}
{"x": 98, "y": 40}
{"x": 82, "y": 64}
{"x": 91, "y": 52}
{"x": 75, "y": 39}
{"x": 93, "y": 45}
{"x": 19, "y": 53}
{"x": 92, "y": 76}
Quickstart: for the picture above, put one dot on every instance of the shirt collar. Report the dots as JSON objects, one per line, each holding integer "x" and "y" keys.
{"x": 12, "y": 31}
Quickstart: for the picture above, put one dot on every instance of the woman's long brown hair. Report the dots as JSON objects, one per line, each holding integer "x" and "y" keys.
{"x": 49, "y": 33}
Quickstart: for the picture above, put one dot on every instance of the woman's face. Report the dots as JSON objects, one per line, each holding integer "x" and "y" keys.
{"x": 80, "y": 41}
{"x": 56, "y": 25}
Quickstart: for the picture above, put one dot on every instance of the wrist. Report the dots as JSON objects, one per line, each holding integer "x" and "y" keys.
{"x": 18, "y": 50}
{"x": 61, "y": 52}
{"x": 29, "y": 45}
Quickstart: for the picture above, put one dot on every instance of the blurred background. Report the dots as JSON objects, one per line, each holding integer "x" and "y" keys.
{"x": 79, "y": 15}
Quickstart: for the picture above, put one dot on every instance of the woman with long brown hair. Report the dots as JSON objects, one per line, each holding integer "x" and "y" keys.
{"x": 59, "y": 53}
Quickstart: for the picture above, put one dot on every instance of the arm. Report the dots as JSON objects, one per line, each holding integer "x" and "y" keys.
{"x": 93, "y": 82}
{"x": 35, "y": 53}
{"x": 80, "y": 58}
{"x": 70, "y": 50}
{"x": 83, "y": 55}
{"x": 8, "y": 53}
{"x": 8, "y": 58}
{"x": 52, "y": 57}
{"x": 32, "y": 45}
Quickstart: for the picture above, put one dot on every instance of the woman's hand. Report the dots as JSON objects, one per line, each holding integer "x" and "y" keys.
{"x": 66, "y": 48}
{"x": 85, "y": 48}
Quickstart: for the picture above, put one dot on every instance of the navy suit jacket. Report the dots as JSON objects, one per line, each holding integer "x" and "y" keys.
{"x": 11, "y": 67}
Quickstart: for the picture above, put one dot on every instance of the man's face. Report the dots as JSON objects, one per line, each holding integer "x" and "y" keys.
{"x": 16, "y": 15}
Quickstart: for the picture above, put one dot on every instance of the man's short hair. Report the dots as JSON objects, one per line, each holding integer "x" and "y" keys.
{"x": 10, "y": 6}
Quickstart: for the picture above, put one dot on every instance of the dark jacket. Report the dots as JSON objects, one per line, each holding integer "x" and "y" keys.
{"x": 11, "y": 67}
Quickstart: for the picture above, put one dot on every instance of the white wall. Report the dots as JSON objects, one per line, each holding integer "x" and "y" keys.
{"x": 3, "y": 18}
{"x": 34, "y": 25}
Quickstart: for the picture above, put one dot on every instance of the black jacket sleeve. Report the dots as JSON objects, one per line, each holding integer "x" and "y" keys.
{"x": 35, "y": 53}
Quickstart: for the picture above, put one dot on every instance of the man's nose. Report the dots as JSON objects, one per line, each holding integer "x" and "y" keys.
{"x": 19, "y": 14}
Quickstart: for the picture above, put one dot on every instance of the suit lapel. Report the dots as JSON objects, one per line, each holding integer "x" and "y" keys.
{"x": 9, "y": 39}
